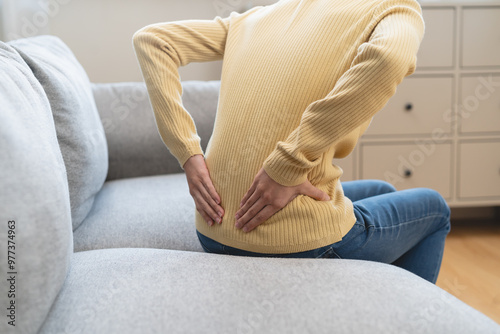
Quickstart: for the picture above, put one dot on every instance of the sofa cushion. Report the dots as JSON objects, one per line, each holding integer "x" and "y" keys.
{"x": 79, "y": 128}
{"x": 34, "y": 199}
{"x": 134, "y": 144}
{"x": 150, "y": 211}
{"x": 166, "y": 291}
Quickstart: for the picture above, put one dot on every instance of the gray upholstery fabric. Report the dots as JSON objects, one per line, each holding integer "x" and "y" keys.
{"x": 34, "y": 194}
{"x": 79, "y": 129}
{"x": 166, "y": 291}
{"x": 135, "y": 145}
{"x": 150, "y": 211}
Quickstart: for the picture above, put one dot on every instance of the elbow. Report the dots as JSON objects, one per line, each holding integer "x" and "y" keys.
{"x": 404, "y": 56}
{"x": 150, "y": 35}
{"x": 399, "y": 64}
{"x": 140, "y": 37}
{"x": 156, "y": 38}
{"x": 390, "y": 70}
{"x": 412, "y": 66}
{"x": 405, "y": 65}
{"x": 408, "y": 64}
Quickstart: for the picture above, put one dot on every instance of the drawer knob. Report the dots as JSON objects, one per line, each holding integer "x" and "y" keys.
{"x": 408, "y": 107}
{"x": 408, "y": 173}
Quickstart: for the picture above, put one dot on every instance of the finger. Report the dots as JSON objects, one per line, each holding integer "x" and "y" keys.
{"x": 209, "y": 186}
{"x": 259, "y": 218}
{"x": 205, "y": 216}
{"x": 212, "y": 215}
{"x": 248, "y": 204}
{"x": 252, "y": 211}
{"x": 215, "y": 211}
{"x": 248, "y": 194}
{"x": 316, "y": 193}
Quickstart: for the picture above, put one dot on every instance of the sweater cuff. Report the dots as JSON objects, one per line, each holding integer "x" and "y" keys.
{"x": 284, "y": 168}
{"x": 185, "y": 153}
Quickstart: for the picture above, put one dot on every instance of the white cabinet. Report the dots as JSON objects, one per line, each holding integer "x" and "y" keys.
{"x": 407, "y": 165}
{"x": 437, "y": 50}
{"x": 441, "y": 129}
{"x": 481, "y": 36}
{"x": 480, "y": 108}
{"x": 479, "y": 170}
{"x": 420, "y": 106}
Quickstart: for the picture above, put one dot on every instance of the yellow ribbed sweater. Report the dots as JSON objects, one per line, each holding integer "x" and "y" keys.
{"x": 301, "y": 81}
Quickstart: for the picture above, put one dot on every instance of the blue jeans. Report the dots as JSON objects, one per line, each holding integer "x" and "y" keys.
{"x": 405, "y": 228}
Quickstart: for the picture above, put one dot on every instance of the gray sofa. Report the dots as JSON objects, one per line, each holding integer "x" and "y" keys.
{"x": 97, "y": 231}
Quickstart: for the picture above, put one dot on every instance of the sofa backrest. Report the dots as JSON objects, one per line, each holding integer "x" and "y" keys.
{"x": 134, "y": 143}
{"x": 79, "y": 129}
{"x": 36, "y": 239}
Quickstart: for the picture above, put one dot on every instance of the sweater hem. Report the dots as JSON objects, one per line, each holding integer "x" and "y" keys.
{"x": 273, "y": 249}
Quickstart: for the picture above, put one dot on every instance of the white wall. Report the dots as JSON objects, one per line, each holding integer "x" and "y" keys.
{"x": 99, "y": 32}
{"x": 22, "y": 18}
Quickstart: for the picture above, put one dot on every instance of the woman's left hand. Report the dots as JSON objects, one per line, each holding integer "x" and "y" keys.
{"x": 265, "y": 197}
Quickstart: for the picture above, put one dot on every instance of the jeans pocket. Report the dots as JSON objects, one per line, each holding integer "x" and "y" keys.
{"x": 328, "y": 253}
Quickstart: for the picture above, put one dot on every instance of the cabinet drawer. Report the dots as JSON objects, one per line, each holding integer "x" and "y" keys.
{"x": 481, "y": 36}
{"x": 417, "y": 107}
{"x": 479, "y": 108}
{"x": 436, "y": 49}
{"x": 479, "y": 169}
{"x": 409, "y": 165}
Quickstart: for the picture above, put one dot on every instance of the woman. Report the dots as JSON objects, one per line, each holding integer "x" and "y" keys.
{"x": 301, "y": 81}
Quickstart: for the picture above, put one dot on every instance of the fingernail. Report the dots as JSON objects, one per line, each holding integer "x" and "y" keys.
{"x": 218, "y": 220}
{"x": 220, "y": 213}
{"x": 237, "y": 216}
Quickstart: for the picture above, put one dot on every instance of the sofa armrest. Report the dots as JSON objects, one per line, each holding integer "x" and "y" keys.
{"x": 134, "y": 143}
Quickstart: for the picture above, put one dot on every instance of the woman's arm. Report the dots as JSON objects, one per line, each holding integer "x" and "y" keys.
{"x": 161, "y": 49}
{"x": 379, "y": 66}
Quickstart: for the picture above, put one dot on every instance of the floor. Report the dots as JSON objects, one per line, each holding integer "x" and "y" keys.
{"x": 471, "y": 265}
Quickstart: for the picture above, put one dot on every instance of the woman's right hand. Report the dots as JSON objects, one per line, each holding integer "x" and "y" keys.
{"x": 202, "y": 189}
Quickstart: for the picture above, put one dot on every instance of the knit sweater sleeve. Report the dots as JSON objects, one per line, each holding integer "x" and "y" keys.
{"x": 379, "y": 66}
{"x": 161, "y": 48}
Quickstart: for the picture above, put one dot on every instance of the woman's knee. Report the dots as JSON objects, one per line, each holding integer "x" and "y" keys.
{"x": 436, "y": 204}
{"x": 438, "y": 201}
{"x": 383, "y": 186}
{"x": 387, "y": 187}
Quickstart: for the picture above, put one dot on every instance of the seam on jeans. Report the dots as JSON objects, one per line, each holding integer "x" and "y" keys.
{"x": 335, "y": 253}
{"x": 324, "y": 252}
{"x": 407, "y": 222}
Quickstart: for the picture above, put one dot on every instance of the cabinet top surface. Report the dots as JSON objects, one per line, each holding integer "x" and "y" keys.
{"x": 458, "y": 2}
